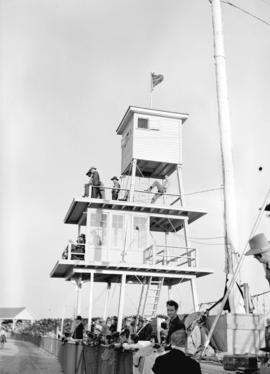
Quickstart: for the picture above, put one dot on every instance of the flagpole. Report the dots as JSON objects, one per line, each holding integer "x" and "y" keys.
{"x": 151, "y": 91}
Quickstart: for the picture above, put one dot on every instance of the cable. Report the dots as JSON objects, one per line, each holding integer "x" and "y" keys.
{"x": 202, "y": 191}
{"x": 248, "y": 13}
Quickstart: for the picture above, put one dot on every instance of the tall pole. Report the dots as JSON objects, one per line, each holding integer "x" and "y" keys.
{"x": 230, "y": 219}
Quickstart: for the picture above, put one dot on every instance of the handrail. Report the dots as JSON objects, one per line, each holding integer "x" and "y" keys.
{"x": 126, "y": 191}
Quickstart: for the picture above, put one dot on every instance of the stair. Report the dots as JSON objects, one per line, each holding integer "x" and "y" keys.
{"x": 149, "y": 299}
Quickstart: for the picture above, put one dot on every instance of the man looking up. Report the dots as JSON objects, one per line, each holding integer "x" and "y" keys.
{"x": 175, "y": 361}
{"x": 175, "y": 322}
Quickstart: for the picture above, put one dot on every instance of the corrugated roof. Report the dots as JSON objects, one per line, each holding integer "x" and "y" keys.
{"x": 7, "y": 313}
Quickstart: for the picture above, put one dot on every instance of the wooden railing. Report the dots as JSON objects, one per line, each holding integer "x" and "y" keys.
{"x": 74, "y": 251}
{"x": 169, "y": 255}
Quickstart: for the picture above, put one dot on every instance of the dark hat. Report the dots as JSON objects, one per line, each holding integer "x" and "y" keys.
{"x": 258, "y": 244}
{"x": 89, "y": 171}
{"x": 114, "y": 178}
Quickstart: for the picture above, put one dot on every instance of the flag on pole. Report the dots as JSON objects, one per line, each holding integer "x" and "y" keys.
{"x": 156, "y": 79}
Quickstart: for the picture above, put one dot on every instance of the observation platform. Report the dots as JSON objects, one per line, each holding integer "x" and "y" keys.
{"x": 112, "y": 272}
{"x": 162, "y": 217}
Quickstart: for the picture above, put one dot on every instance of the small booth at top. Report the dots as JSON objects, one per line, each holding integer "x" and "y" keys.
{"x": 154, "y": 139}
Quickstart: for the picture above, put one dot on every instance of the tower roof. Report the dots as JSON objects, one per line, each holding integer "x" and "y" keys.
{"x": 148, "y": 111}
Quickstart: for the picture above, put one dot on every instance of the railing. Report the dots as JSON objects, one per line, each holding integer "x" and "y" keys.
{"x": 169, "y": 255}
{"x": 140, "y": 196}
{"x": 74, "y": 251}
{"x": 261, "y": 303}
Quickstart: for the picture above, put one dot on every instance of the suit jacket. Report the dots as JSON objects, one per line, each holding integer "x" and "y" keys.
{"x": 174, "y": 325}
{"x": 176, "y": 362}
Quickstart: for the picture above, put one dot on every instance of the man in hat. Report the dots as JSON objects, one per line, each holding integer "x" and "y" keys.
{"x": 94, "y": 181}
{"x": 78, "y": 329}
{"x": 260, "y": 249}
{"x": 116, "y": 188}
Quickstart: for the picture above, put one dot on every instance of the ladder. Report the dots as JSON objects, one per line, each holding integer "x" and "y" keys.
{"x": 149, "y": 299}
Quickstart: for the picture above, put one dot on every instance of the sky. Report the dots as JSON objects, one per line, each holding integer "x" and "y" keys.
{"x": 69, "y": 71}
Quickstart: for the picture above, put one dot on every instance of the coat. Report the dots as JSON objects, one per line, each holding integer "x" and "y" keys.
{"x": 176, "y": 362}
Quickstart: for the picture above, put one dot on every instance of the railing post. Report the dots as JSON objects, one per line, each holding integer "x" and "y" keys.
{"x": 132, "y": 185}
{"x": 121, "y": 302}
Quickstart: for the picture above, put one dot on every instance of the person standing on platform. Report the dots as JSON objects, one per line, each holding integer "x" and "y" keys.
{"x": 176, "y": 361}
{"x": 175, "y": 323}
{"x": 94, "y": 181}
{"x": 116, "y": 188}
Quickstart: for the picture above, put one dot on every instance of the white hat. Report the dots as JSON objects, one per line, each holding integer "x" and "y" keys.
{"x": 258, "y": 244}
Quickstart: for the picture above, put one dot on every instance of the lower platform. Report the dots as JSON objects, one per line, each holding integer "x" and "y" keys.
{"x": 111, "y": 273}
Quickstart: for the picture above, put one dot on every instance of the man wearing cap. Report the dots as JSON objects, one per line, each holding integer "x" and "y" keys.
{"x": 260, "y": 249}
{"x": 116, "y": 188}
{"x": 94, "y": 181}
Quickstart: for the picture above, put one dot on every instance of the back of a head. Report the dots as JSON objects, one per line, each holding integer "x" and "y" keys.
{"x": 179, "y": 338}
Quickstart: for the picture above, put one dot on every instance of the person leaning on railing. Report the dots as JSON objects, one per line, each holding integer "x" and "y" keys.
{"x": 116, "y": 188}
{"x": 161, "y": 188}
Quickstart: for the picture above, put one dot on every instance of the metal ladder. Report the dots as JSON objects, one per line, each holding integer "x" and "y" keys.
{"x": 149, "y": 298}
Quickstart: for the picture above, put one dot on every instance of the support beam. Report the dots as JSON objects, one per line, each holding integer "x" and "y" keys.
{"x": 79, "y": 295}
{"x": 135, "y": 273}
{"x": 106, "y": 303}
{"x": 132, "y": 184}
{"x": 121, "y": 302}
{"x": 91, "y": 291}
{"x": 169, "y": 292}
{"x": 88, "y": 236}
{"x": 194, "y": 294}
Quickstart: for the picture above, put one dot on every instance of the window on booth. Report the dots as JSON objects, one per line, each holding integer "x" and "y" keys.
{"x": 140, "y": 231}
{"x": 143, "y": 123}
{"x": 99, "y": 228}
{"x": 117, "y": 231}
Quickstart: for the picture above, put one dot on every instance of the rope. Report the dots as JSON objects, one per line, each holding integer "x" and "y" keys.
{"x": 248, "y": 13}
{"x": 202, "y": 191}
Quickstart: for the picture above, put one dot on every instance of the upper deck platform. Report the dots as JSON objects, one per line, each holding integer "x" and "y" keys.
{"x": 111, "y": 272}
{"x": 162, "y": 218}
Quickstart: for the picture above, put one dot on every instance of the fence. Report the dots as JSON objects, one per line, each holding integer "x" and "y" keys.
{"x": 81, "y": 359}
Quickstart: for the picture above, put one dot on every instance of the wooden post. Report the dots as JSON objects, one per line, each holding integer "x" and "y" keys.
{"x": 107, "y": 298}
{"x": 169, "y": 292}
{"x": 121, "y": 302}
{"x": 87, "y": 238}
{"x": 194, "y": 294}
{"x": 91, "y": 291}
{"x": 187, "y": 243}
{"x": 180, "y": 188}
{"x": 132, "y": 184}
{"x": 79, "y": 295}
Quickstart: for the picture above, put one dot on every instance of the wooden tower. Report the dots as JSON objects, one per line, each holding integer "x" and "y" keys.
{"x": 128, "y": 240}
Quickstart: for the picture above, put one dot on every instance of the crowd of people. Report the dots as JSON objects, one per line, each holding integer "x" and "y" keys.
{"x": 166, "y": 343}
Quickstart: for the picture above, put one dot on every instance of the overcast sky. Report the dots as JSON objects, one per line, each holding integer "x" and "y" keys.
{"x": 69, "y": 70}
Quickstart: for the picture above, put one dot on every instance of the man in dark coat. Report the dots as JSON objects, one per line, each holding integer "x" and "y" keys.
{"x": 175, "y": 361}
{"x": 78, "y": 330}
{"x": 175, "y": 323}
{"x": 94, "y": 181}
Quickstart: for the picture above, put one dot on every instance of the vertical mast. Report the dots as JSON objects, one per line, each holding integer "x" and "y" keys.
{"x": 230, "y": 219}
